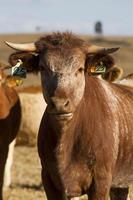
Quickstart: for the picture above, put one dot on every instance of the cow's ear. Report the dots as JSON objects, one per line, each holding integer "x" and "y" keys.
{"x": 29, "y": 60}
{"x": 99, "y": 64}
{"x": 113, "y": 74}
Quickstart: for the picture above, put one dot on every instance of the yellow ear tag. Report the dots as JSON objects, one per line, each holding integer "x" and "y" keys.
{"x": 19, "y": 82}
{"x": 93, "y": 69}
{"x": 14, "y": 81}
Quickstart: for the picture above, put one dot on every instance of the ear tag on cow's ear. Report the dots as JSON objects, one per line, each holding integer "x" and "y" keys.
{"x": 100, "y": 68}
{"x": 18, "y": 70}
{"x": 13, "y": 81}
{"x": 19, "y": 82}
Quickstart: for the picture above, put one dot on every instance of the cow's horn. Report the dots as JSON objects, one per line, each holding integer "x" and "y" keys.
{"x": 98, "y": 49}
{"x": 22, "y": 47}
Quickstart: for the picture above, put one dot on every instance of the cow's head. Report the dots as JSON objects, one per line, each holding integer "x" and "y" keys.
{"x": 64, "y": 62}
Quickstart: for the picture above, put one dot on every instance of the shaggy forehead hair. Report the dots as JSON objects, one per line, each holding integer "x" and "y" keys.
{"x": 60, "y": 40}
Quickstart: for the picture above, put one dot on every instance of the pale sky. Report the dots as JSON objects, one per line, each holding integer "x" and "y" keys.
{"x": 79, "y": 16}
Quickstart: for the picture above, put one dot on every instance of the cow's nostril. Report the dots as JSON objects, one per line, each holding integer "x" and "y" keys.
{"x": 52, "y": 104}
{"x": 66, "y": 103}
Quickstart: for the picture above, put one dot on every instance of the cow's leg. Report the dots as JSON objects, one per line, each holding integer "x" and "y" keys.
{"x": 100, "y": 187}
{"x": 3, "y": 157}
{"x": 51, "y": 192}
{"x": 119, "y": 193}
{"x": 7, "y": 174}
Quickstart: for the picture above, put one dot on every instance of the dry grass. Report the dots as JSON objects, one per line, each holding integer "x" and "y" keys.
{"x": 26, "y": 179}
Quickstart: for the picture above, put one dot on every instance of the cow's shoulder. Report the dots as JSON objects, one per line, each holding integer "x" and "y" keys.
{"x": 8, "y": 99}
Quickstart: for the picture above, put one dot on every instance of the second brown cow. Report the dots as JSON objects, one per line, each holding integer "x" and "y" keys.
{"x": 10, "y": 116}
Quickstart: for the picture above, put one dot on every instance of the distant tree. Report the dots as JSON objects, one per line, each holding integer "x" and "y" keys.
{"x": 38, "y": 28}
{"x": 98, "y": 28}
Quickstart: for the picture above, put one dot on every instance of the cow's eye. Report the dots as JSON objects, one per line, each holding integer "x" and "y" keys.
{"x": 81, "y": 69}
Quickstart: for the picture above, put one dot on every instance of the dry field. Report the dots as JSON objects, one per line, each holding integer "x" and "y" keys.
{"x": 26, "y": 181}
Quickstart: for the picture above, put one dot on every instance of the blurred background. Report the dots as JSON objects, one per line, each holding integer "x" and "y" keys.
{"x": 105, "y": 22}
{"x": 28, "y": 16}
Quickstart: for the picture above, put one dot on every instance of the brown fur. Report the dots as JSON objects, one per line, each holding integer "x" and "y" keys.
{"x": 91, "y": 151}
{"x": 60, "y": 40}
{"x": 88, "y": 155}
{"x": 10, "y": 114}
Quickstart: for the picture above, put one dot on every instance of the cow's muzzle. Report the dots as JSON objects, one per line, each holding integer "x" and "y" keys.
{"x": 62, "y": 115}
{"x": 60, "y": 108}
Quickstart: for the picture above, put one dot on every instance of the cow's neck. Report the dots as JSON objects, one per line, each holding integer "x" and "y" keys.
{"x": 86, "y": 123}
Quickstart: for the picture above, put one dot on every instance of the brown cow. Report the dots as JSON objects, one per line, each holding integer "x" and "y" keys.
{"x": 85, "y": 140}
{"x": 10, "y": 114}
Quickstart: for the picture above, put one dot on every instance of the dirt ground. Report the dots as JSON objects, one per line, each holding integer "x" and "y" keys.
{"x": 26, "y": 181}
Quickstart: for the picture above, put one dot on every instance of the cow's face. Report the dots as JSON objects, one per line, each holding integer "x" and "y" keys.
{"x": 63, "y": 81}
{"x": 63, "y": 60}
